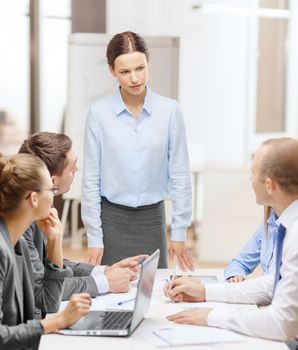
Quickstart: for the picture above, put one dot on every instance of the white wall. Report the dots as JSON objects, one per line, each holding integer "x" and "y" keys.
{"x": 230, "y": 214}
{"x": 55, "y": 26}
{"x": 14, "y": 62}
{"x": 292, "y": 82}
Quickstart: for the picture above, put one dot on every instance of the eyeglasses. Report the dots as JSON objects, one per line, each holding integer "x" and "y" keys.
{"x": 54, "y": 190}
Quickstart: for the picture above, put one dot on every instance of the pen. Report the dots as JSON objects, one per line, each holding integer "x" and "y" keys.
{"x": 140, "y": 261}
{"x": 173, "y": 277}
{"x": 136, "y": 267}
{"x": 125, "y": 301}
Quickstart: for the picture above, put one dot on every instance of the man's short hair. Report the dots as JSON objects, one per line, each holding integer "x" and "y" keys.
{"x": 51, "y": 148}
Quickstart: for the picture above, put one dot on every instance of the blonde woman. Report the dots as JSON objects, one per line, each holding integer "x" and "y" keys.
{"x": 26, "y": 195}
{"x": 260, "y": 249}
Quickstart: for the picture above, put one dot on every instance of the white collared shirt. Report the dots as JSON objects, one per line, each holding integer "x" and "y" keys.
{"x": 277, "y": 321}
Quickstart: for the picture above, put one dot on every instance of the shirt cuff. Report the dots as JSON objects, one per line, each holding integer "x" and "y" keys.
{"x": 95, "y": 239}
{"x": 95, "y": 243}
{"x": 233, "y": 271}
{"x": 35, "y": 331}
{"x": 215, "y": 292}
{"x": 55, "y": 272}
{"x": 219, "y": 317}
{"x": 178, "y": 235}
{"x": 98, "y": 270}
{"x": 102, "y": 283}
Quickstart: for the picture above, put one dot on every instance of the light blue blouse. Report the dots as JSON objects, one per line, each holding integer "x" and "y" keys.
{"x": 135, "y": 162}
{"x": 260, "y": 249}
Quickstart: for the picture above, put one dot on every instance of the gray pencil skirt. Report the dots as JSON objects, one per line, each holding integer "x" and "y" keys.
{"x": 131, "y": 231}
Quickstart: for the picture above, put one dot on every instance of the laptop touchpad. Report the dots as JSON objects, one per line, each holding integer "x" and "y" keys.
{"x": 93, "y": 320}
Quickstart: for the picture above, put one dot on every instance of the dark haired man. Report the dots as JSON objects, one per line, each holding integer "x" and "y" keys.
{"x": 56, "y": 152}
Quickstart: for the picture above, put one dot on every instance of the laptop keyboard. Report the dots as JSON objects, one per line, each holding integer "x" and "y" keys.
{"x": 117, "y": 320}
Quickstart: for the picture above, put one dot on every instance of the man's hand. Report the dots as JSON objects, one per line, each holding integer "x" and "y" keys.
{"x": 132, "y": 262}
{"x": 51, "y": 227}
{"x": 179, "y": 250}
{"x": 236, "y": 279}
{"x": 196, "y": 317}
{"x": 185, "y": 289}
{"x": 94, "y": 256}
{"x": 119, "y": 278}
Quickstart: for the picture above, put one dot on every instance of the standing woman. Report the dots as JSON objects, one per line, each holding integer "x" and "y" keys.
{"x": 135, "y": 154}
{"x": 26, "y": 195}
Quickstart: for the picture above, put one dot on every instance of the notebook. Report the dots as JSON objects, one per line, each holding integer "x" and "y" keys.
{"x": 120, "y": 323}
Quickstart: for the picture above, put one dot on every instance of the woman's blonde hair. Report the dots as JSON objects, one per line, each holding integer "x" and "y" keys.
{"x": 267, "y": 213}
{"x": 19, "y": 175}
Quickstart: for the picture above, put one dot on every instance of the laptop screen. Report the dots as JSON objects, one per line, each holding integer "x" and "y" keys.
{"x": 145, "y": 288}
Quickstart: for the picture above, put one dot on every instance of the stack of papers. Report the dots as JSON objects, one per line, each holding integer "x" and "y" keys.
{"x": 191, "y": 335}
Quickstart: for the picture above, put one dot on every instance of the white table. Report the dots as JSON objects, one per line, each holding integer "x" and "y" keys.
{"x": 156, "y": 317}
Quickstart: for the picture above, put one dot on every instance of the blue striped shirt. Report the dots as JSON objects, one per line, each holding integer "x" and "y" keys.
{"x": 135, "y": 162}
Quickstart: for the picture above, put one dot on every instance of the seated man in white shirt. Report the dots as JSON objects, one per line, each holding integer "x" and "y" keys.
{"x": 55, "y": 150}
{"x": 275, "y": 182}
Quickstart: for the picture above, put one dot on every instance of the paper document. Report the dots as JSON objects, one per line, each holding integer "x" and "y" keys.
{"x": 215, "y": 305}
{"x": 159, "y": 283}
{"x": 202, "y": 278}
{"x": 189, "y": 335}
{"x": 111, "y": 301}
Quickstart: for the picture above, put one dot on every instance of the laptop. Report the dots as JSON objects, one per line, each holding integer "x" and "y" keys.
{"x": 120, "y": 323}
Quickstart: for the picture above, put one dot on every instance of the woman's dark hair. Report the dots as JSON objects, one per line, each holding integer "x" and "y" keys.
{"x": 51, "y": 148}
{"x": 126, "y": 42}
